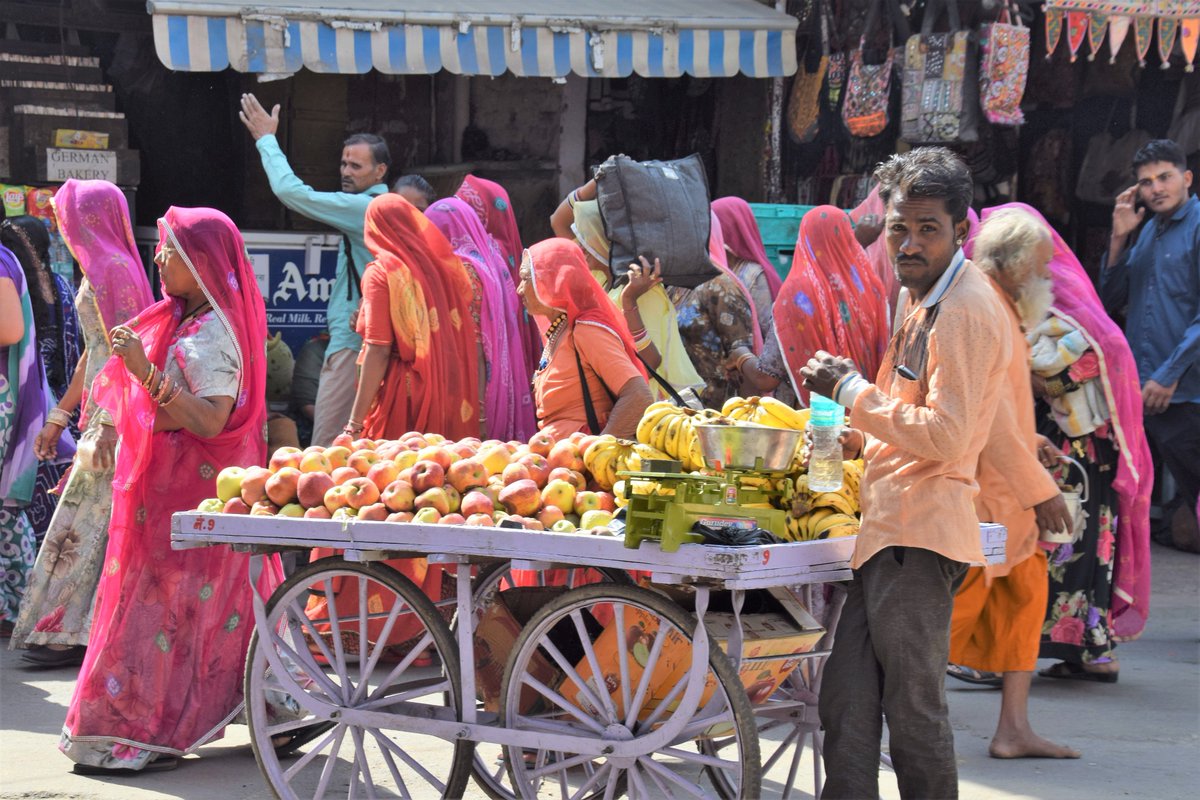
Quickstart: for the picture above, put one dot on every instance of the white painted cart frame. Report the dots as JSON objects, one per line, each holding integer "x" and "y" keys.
{"x": 462, "y": 723}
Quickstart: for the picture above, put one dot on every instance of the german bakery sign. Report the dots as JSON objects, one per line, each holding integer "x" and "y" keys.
{"x": 64, "y": 163}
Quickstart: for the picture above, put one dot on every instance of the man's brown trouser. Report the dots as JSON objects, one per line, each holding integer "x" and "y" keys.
{"x": 889, "y": 656}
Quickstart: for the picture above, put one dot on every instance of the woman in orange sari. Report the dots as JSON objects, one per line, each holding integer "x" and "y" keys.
{"x": 418, "y": 370}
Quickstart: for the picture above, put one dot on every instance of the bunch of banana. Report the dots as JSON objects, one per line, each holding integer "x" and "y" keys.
{"x": 609, "y": 455}
{"x": 844, "y": 501}
{"x": 765, "y": 411}
{"x": 820, "y": 523}
{"x": 669, "y": 429}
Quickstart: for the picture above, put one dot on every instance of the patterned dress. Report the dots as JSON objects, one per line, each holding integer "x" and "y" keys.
{"x": 755, "y": 280}
{"x": 714, "y": 320}
{"x": 57, "y": 608}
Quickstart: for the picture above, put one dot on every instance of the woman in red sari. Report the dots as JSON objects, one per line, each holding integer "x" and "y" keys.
{"x": 419, "y": 362}
{"x": 186, "y": 389}
{"x": 831, "y": 300}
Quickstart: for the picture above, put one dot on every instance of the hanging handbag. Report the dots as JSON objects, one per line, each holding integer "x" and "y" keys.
{"x": 804, "y": 102}
{"x": 868, "y": 86}
{"x": 940, "y": 94}
{"x": 1003, "y": 68}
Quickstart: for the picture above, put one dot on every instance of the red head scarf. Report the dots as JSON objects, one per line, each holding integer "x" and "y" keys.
{"x": 743, "y": 237}
{"x": 212, "y": 248}
{"x": 433, "y": 331}
{"x": 561, "y": 280}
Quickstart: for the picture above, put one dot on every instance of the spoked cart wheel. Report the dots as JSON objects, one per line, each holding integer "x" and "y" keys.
{"x": 643, "y": 658}
{"x": 340, "y": 664}
{"x": 489, "y": 768}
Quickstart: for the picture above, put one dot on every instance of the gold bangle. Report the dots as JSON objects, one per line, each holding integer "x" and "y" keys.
{"x": 149, "y": 379}
{"x": 178, "y": 391}
{"x": 59, "y": 417}
{"x": 164, "y": 388}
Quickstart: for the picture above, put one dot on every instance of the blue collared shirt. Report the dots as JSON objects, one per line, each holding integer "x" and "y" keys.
{"x": 341, "y": 210}
{"x": 1158, "y": 279}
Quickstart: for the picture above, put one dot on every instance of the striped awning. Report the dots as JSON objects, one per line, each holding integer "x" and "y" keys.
{"x": 545, "y": 38}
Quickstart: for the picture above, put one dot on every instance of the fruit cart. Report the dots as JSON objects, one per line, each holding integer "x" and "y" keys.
{"x": 621, "y": 716}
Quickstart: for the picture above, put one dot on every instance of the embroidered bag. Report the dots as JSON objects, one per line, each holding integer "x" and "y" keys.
{"x": 868, "y": 87}
{"x": 804, "y": 104}
{"x": 940, "y": 95}
{"x": 1003, "y": 68}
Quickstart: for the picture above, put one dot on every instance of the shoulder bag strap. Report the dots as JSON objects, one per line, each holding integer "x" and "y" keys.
{"x": 668, "y": 388}
{"x": 589, "y": 409}
{"x": 354, "y": 283}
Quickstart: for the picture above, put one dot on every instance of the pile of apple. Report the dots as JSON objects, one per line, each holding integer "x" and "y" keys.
{"x": 541, "y": 484}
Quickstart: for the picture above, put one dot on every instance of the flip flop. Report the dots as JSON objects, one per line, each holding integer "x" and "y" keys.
{"x": 974, "y": 676}
{"x": 160, "y": 764}
{"x": 301, "y": 737}
{"x": 1065, "y": 670}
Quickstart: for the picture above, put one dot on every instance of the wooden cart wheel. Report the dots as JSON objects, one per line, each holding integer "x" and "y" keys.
{"x": 544, "y": 691}
{"x": 488, "y": 767}
{"x": 324, "y": 662}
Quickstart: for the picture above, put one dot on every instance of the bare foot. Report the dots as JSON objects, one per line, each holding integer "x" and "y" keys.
{"x": 1029, "y": 745}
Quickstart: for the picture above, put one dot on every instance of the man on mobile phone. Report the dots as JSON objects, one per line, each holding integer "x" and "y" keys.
{"x": 1157, "y": 282}
{"x": 925, "y": 419}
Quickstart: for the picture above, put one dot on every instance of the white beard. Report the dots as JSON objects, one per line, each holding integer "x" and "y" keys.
{"x": 1037, "y": 298}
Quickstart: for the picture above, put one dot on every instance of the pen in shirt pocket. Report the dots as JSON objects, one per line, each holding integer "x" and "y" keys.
{"x": 905, "y": 372}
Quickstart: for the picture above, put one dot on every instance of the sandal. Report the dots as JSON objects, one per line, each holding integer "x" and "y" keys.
{"x": 301, "y": 737}
{"x": 974, "y": 676}
{"x": 1067, "y": 670}
{"x": 160, "y": 764}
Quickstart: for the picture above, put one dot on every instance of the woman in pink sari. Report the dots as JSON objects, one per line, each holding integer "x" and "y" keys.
{"x": 491, "y": 204}
{"x": 747, "y": 257}
{"x": 508, "y": 400}
{"x": 1099, "y": 584}
{"x": 186, "y": 389}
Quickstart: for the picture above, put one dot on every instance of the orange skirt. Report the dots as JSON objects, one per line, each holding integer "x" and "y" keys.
{"x": 998, "y": 627}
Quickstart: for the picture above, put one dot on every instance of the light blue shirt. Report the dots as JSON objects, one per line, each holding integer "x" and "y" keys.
{"x": 1158, "y": 279}
{"x": 343, "y": 211}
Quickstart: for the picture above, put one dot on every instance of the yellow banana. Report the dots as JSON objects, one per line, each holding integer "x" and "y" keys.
{"x": 651, "y": 419}
{"x": 782, "y": 415}
{"x": 731, "y": 405}
{"x": 603, "y": 464}
{"x": 835, "y": 500}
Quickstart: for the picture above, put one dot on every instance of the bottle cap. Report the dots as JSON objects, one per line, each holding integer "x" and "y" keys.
{"x": 825, "y": 412}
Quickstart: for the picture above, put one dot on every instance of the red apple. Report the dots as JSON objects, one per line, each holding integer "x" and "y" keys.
{"x": 361, "y": 492}
{"x": 363, "y": 460}
{"x": 587, "y": 501}
{"x": 398, "y": 496}
{"x": 264, "y": 508}
{"x": 433, "y": 498}
{"x": 311, "y": 488}
{"x": 363, "y": 444}
{"x": 427, "y": 475}
{"x": 438, "y": 455}
{"x": 400, "y": 516}
{"x": 377, "y": 512}
{"x": 532, "y": 524}
{"x": 566, "y": 454}
{"x": 342, "y": 474}
{"x": 286, "y": 457}
{"x": 313, "y": 448}
{"x": 515, "y": 472}
{"x": 541, "y": 443}
{"x": 608, "y": 502}
{"x": 405, "y": 458}
{"x": 336, "y": 497}
{"x": 577, "y": 437}
{"x": 405, "y": 475}
{"x": 435, "y": 438}
{"x": 452, "y": 519}
{"x": 550, "y": 515}
{"x": 572, "y": 477}
{"x": 477, "y": 503}
{"x": 338, "y": 456}
{"x": 316, "y": 462}
{"x": 539, "y": 468}
{"x": 584, "y": 442}
{"x": 467, "y": 474}
{"x": 382, "y": 473}
{"x": 463, "y": 449}
{"x": 254, "y": 484}
{"x": 388, "y": 450}
{"x": 317, "y": 512}
{"x": 521, "y": 497}
{"x": 342, "y": 440}
{"x": 235, "y": 505}
{"x": 480, "y": 521}
{"x": 414, "y": 441}
{"x": 281, "y": 487}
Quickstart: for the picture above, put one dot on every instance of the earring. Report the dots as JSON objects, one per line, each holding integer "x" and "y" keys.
{"x": 958, "y": 242}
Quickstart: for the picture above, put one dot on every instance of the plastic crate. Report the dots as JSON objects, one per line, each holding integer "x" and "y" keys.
{"x": 779, "y": 225}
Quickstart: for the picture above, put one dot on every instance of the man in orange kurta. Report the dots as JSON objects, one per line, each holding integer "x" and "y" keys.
{"x": 998, "y": 611}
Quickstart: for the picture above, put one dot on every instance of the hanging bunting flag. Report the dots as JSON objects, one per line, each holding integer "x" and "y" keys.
{"x": 1118, "y": 27}
{"x": 1054, "y": 25}
{"x": 1189, "y": 36}
{"x": 1097, "y": 27}
{"x": 1143, "y": 32}
{"x": 1168, "y": 29}
{"x": 1077, "y": 25}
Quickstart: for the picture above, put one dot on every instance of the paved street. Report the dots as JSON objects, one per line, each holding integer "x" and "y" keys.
{"x": 1140, "y": 738}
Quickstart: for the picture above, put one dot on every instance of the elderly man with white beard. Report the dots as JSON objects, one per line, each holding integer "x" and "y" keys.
{"x": 998, "y": 611}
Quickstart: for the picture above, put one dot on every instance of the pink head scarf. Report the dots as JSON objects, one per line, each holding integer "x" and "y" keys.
{"x": 93, "y": 218}
{"x": 877, "y": 251}
{"x": 716, "y": 250}
{"x": 214, "y": 251}
{"x": 743, "y": 237}
{"x": 509, "y": 403}
{"x": 1076, "y": 302}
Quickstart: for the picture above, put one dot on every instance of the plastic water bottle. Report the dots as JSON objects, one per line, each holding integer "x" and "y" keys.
{"x": 825, "y": 458}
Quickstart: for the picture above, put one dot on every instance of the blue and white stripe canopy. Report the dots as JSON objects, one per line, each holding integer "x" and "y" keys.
{"x": 544, "y": 38}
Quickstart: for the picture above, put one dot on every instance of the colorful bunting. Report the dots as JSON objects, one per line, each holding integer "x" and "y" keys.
{"x": 1094, "y": 20}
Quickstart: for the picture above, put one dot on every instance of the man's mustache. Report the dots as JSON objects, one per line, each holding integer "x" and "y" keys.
{"x": 911, "y": 260}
